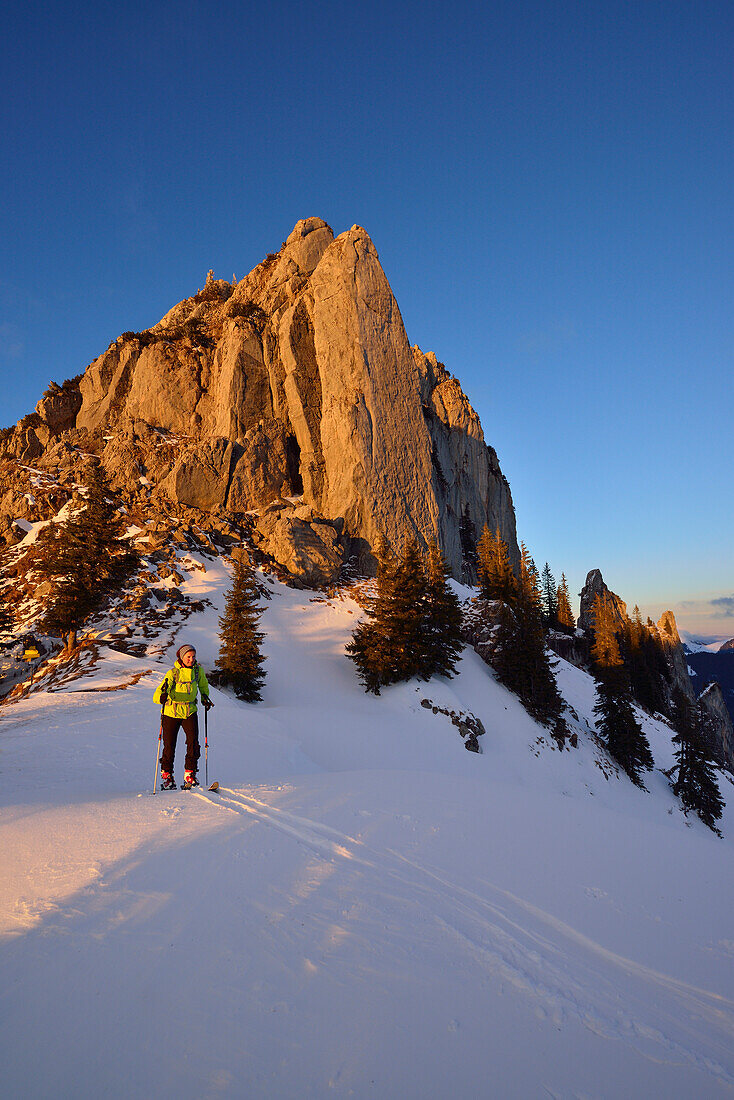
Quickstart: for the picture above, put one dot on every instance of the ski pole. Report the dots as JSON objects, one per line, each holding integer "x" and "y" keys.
{"x": 206, "y": 745}
{"x": 158, "y": 753}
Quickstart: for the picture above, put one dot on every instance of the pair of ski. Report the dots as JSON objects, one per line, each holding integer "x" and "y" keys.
{"x": 192, "y": 787}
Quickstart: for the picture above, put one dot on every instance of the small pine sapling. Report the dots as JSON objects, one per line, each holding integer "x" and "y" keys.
{"x": 240, "y": 659}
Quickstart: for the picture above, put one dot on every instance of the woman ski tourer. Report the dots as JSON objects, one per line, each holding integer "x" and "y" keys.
{"x": 177, "y": 695}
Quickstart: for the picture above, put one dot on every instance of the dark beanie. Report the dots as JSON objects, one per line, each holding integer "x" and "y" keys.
{"x": 183, "y": 650}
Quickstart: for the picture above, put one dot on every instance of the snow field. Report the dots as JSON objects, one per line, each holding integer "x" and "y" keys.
{"x": 365, "y": 909}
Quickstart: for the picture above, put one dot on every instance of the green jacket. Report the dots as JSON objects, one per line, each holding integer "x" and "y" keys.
{"x": 182, "y": 685}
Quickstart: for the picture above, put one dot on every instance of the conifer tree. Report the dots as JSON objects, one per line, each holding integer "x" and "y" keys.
{"x": 520, "y": 656}
{"x": 443, "y": 642}
{"x": 695, "y": 783}
{"x": 412, "y": 625}
{"x": 486, "y": 565}
{"x": 62, "y": 559}
{"x": 496, "y": 579}
{"x": 407, "y": 614}
{"x": 7, "y": 619}
{"x": 368, "y": 647}
{"x": 468, "y": 540}
{"x": 83, "y": 558}
{"x": 645, "y": 662}
{"x": 550, "y": 597}
{"x": 566, "y": 620}
{"x": 541, "y": 696}
{"x": 240, "y": 660}
{"x": 623, "y": 736}
{"x": 534, "y": 575}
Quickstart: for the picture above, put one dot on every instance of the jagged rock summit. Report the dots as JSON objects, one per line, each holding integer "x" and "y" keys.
{"x": 294, "y": 389}
{"x": 593, "y": 587}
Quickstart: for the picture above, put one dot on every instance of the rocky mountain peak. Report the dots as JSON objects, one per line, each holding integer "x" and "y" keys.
{"x": 295, "y": 386}
{"x": 668, "y": 629}
{"x": 593, "y": 587}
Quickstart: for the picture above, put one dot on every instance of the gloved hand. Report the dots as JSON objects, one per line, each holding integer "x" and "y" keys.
{"x": 164, "y": 693}
{"x": 206, "y": 702}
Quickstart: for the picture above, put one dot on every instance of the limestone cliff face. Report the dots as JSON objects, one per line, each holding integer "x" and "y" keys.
{"x": 669, "y": 636}
{"x": 717, "y": 725}
{"x": 297, "y": 381}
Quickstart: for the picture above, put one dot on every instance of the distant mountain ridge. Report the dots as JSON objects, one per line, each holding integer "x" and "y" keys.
{"x": 706, "y": 644}
{"x": 717, "y": 666}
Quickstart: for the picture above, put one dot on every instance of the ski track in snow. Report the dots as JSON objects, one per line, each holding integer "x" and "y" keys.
{"x": 534, "y": 961}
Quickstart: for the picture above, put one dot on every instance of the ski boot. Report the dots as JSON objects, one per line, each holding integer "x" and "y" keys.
{"x": 168, "y": 783}
{"x": 190, "y": 780}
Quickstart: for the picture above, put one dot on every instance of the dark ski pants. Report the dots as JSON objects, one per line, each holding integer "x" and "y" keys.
{"x": 170, "y": 734}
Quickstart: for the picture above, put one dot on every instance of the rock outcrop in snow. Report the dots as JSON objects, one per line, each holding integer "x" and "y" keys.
{"x": 296, "y": 382}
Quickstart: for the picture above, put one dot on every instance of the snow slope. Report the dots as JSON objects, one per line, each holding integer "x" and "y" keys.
{"x": 366, "y": 909}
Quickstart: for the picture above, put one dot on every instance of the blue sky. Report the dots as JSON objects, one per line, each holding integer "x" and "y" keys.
{"x": 549, "y": 187}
